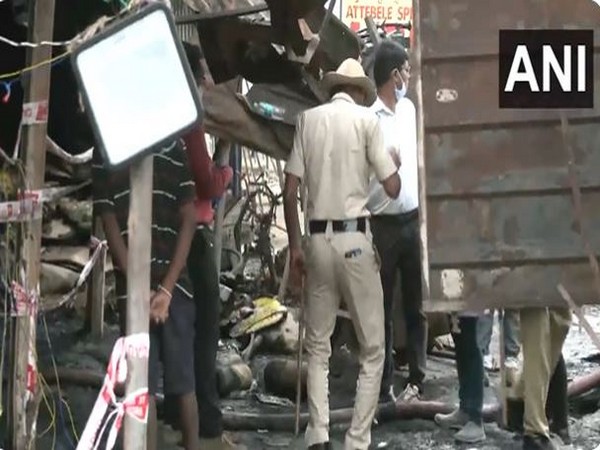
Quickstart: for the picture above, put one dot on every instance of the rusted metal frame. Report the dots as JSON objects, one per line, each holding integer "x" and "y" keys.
{"x": 418, "y": 68}
{"x": 577, "y": 205}
{"x": 201, "y": 17}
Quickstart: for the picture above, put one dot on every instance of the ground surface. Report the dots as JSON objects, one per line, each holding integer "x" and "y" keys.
{"x": 72, "y": 350}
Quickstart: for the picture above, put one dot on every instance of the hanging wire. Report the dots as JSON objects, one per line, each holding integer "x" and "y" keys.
{"x": 33, "y": 44}
{"x": 18, "y": 73}
{"x": 123, "y": 3}
{"x": 58, "y": 387}
{"x": 125, "y": 6}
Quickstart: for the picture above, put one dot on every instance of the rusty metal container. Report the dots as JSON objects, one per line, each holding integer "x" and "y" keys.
{"x": 499, "y": 227}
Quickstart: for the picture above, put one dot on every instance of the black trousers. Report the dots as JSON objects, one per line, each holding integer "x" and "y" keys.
{"x": 398, "y": 243}
{"x": 205, "y": 279}
{"x": 557, "y": 403}
{"x": 469, "y": 366}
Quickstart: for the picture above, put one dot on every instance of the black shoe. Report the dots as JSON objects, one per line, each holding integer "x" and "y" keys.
{"x": 515, "y": 415}
{"x": 322, "y": 446}
{"x": 538, "y": 443}
{"x": 563, "y": 434}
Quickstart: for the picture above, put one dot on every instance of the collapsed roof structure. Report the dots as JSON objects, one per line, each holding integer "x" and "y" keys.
{"x": 281, "y": 47}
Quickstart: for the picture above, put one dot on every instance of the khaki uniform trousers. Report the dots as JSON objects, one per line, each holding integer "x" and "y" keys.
{"x": 343, "y": 266}
{"x": 543, "y": 332}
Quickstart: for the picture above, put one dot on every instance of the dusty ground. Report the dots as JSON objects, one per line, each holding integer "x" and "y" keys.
{"x": 71, "y": 350}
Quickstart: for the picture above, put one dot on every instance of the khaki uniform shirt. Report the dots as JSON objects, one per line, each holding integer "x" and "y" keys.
{"x": 336, "y": 148}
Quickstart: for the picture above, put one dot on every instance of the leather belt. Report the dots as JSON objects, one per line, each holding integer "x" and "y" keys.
{"x": 339, "y": 226}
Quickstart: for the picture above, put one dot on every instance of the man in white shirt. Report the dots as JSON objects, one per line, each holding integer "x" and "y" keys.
{"x": 395, "y": 222}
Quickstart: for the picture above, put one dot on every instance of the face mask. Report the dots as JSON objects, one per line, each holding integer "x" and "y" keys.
{"x": 400, "y": 93}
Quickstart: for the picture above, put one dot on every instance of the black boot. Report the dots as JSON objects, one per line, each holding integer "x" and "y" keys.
{"x": 557, "y": 405}
{"x": 322, "y": 446}
{"x": 538, "y": 443}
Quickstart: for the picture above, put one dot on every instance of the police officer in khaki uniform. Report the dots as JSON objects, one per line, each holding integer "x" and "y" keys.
{"x": 336, "y": 148}
{"x": 543, "y": 333}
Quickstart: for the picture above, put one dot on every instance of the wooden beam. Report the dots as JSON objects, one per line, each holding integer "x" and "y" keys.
{"x": 24, "y": 405}
{"x": 138, "y": 287}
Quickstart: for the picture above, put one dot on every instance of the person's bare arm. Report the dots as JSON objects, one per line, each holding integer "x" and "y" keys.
{"x": 290, "y": 210}
{"x": 182, "y": 248}
{"x": 116, "y": 243}
{"x": 294, "y": 172}
{"x": 292, "y": 224}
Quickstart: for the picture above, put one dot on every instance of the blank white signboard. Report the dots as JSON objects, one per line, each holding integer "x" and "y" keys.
{"x": 137, "y": 88}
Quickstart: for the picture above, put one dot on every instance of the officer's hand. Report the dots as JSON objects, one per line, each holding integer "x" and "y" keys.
{"x": 296, "y": 271}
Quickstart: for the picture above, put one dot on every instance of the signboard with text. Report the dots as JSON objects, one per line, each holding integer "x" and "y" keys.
{"x": 392, "y": 12}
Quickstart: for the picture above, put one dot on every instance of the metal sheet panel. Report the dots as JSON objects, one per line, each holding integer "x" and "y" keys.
{"x": 499, "y": 227}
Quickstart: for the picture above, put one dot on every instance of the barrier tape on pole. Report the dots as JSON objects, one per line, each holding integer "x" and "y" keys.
{"x": 24, "y": 303}
{"x": 29, "y": 206}
{"x": 100, "y": 248}
{"x": 135, "y": 404}
{"x": 56, "y": 150}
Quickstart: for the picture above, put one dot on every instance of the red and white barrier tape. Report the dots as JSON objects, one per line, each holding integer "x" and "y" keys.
{"x": 100, "y": 248}
{"x": 30, "y": 203}
{"x": 26, "y": 304}
{"x": 135, "y": 404}
{"x": 56, "y": 150}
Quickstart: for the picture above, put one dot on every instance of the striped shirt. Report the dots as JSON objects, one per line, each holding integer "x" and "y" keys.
{"x": 172, "y": 187}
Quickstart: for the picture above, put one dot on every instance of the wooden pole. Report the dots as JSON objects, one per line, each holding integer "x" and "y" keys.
{"x": 138, "y": 287}
{"x": 96, "y": 286}
{"x": 24, "y": 406}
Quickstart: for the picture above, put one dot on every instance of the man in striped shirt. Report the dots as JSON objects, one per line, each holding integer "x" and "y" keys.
{"x": 172, "y": 309}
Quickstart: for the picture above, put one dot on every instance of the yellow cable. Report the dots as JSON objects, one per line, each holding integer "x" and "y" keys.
{"x": 73, "y": 429}
{"x": 18, "y": 73}
{"x": 52, "y": 411}
{"x": 58, "y": 388}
